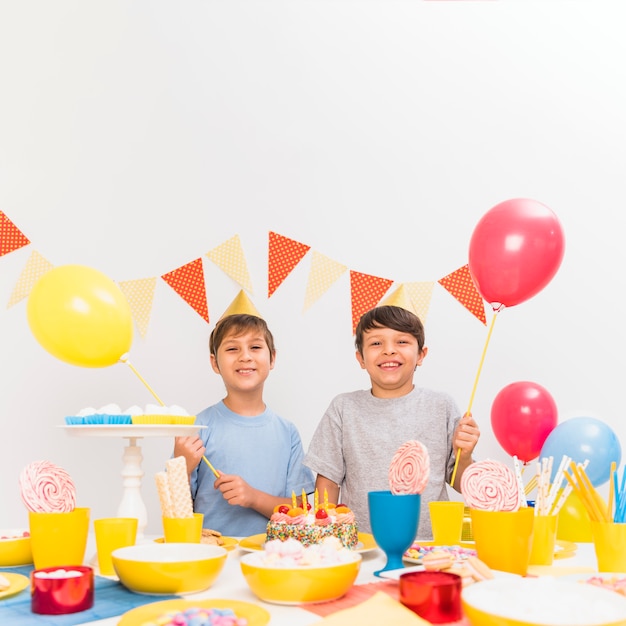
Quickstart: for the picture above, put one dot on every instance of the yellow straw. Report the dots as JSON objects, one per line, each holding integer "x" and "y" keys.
{"x": 215, "y": 472}
{"x": 124, "y": 359}
{"x": 611, "y": 490}
{"x": 469, "y": 408}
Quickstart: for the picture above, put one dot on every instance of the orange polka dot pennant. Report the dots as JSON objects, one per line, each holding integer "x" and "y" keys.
{"x": 460, "y": 284}
{"x": 11, "y": 237}
{"x": 366, "y": 292}
{"x": 284, "y": 255}
{"x": 188, "y": 282}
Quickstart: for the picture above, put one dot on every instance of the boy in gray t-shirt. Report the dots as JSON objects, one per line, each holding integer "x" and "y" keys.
{"x": 353, "y": 445}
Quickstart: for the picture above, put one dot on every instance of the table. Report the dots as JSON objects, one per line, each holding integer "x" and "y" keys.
{"x": 231, "y": 584}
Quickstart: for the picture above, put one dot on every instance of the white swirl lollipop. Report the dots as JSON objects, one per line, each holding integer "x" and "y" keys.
{"x": 490, "y": 486}
{"x": 47, "y": 488}
{"x": 410, "y": 468}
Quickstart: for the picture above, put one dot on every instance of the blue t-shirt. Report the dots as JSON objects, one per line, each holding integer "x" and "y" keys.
{"x": 265, "y": 450}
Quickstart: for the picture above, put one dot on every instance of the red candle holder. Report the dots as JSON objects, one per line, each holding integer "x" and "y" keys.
{"x": 434, "y": 596}
{"x": 53, "y": 593}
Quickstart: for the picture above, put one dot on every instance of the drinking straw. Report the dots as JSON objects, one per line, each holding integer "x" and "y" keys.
{"x": 471, "y": 401}
{"x": 520, "y": 483}
{"x": 611, "y": 486}
{"x": 215, "y": 472}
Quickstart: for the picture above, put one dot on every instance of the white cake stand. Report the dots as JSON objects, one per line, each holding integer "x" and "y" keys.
{"x": 132, "y": 504}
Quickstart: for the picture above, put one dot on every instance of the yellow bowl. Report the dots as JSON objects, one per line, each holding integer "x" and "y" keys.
{"x": 14, "y": 548}
{"x": 164, "y": 568}
{"x": 517, "y": 601}
{"x": 299, "y": 584}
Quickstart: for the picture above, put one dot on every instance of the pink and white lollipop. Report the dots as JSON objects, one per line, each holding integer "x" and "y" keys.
{"x": 409, "y": 469}
{"x": 490, "y": 486}
{"x": 47, "y": 488}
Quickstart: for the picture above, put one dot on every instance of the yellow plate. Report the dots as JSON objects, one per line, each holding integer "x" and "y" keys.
{"x": 256, "y": 542}
{"x": 18, "y": 583}
{"x": 256, "y": 615}
{"x": 230, "y": 543}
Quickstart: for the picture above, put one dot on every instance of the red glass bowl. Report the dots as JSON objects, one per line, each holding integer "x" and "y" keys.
{"x": 434, "y": 596}
{"x": 62, "y": 594}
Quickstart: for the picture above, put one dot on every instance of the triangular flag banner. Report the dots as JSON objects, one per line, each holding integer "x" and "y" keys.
{"x": 241, "y": 304}
{"x": 35, "y": 268}
{"x": 188, "y": 282}
{"x": 365, "y": 293}
{"x": 420, "y": 294}
{"x": 11, "y": 237}
{"x": 140, "y": 296}
{"x": 324, "y": 272}
{"x": 460, "y": 284}
{"x": 284, "y": 255}
{"x": 229, "y": 257}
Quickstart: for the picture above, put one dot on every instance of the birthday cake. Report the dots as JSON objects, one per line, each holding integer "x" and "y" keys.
{"x": 312, "y": 525}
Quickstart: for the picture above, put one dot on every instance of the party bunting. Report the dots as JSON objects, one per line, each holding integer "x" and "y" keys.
{"x": 35, "y": 268}
{"x": 365, "y": 293}
{"x": 229, "y": 257}
{"x": 401, "y": 297}
{"x": 323, "y": 273}
{"x": 188, "y": 282}
{"x": 11, "y": 237}
{"x": 460, "y": 284}
{"x": 420, "y": 294}
{"x": 284, "y": 255}
{"x": 140, "y": 296}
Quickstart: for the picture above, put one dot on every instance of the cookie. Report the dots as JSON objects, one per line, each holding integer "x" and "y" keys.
{"x": 437, "y": 560}
{"x": 479, "y": 570}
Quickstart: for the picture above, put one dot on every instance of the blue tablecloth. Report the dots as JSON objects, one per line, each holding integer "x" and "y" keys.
{"x": 110, "y": 599}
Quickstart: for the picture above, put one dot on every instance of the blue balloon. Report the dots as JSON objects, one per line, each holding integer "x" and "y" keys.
{"x": 584, "y": 438}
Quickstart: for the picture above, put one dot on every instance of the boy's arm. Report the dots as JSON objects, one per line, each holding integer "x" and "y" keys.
{"x": 325, "y": 485}
{"x": 465, "y": 439}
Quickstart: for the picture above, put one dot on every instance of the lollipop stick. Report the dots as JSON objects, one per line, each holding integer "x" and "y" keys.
{"x": 469, "y": 408}
{"x": 215, "y": 472}
{"x": 124, "y": 359}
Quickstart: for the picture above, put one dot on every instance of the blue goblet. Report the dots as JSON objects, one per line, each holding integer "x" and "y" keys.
{"x": 394, "y": 519}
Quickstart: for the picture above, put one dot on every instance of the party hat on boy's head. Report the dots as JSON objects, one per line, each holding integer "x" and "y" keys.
{"x": 399, "y": 298}
{"x": 241, "y": 304}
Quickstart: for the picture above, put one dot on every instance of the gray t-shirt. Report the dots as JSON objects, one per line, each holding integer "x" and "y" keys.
{"x": 356, "y": 439}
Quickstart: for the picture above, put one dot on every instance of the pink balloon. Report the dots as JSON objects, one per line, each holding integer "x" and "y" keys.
{"x": 523, "y": 414}
{"x": 515, "y": 250}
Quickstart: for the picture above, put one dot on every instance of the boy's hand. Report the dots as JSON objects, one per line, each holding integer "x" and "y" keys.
{"x": 466, "y": 435}
{"x": 191, "y": 448}
{"x": 235, "y": 490}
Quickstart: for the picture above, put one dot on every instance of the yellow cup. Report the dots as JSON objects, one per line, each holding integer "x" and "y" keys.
{"x": 503, "y": 538}
{"x": 447, "y": 522}
{"x": 609, "y": 542}
{"x": 544, "y": 538}
{"x": 59, "y": 539}
{"x": 183, "y": 529}
{"x": 112, "y": 533}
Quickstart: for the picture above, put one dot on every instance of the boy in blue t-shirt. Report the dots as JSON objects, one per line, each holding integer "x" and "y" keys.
{"x": 257, "y": 454}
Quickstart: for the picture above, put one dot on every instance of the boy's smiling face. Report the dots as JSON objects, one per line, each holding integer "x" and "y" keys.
{"x": 243, "y": 360}
{"x": 390, "y": 358}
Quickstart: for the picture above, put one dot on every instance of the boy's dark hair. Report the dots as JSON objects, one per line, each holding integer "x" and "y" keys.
{"x": 393, "y": 317}
{"x": 238, "y": 324}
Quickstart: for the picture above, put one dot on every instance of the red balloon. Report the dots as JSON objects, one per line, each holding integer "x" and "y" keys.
{"x": 515, "y": 250}
{"x": 523, "y": 414}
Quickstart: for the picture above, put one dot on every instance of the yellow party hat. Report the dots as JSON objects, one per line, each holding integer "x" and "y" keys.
{"x": 400, "y": 298}
{"x": 241, "y": 304}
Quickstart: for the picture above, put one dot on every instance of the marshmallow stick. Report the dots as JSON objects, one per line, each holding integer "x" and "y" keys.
{"x": 164, "y": 494}
{"x": 520, "y": 482}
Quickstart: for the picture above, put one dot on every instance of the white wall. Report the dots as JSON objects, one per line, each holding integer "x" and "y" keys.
{"x": 137, "y": 136}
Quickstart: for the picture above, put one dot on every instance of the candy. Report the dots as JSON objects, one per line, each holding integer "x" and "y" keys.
{"x": 47, "y": 488}
{"x": 490, "y": 486}
{"x": 409, "y": 469}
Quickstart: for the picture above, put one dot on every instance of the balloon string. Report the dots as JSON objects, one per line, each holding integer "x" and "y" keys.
{"x": 471, "y": 402}
{"x": 124, "y": 359}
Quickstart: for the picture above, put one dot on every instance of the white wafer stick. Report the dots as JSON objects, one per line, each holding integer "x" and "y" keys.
{"x": 180, "y": 492}
{"x": 164, "y": 494}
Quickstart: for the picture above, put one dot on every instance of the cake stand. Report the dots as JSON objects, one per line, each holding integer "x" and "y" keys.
{"x": 132, "y": 504}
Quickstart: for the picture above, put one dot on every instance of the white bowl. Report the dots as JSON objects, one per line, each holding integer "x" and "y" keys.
{"x": 541, "y": 602}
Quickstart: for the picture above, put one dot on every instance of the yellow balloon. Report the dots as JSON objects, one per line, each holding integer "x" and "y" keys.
{"x": 80, "y": 316}
{"x": 574, "y": 523}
